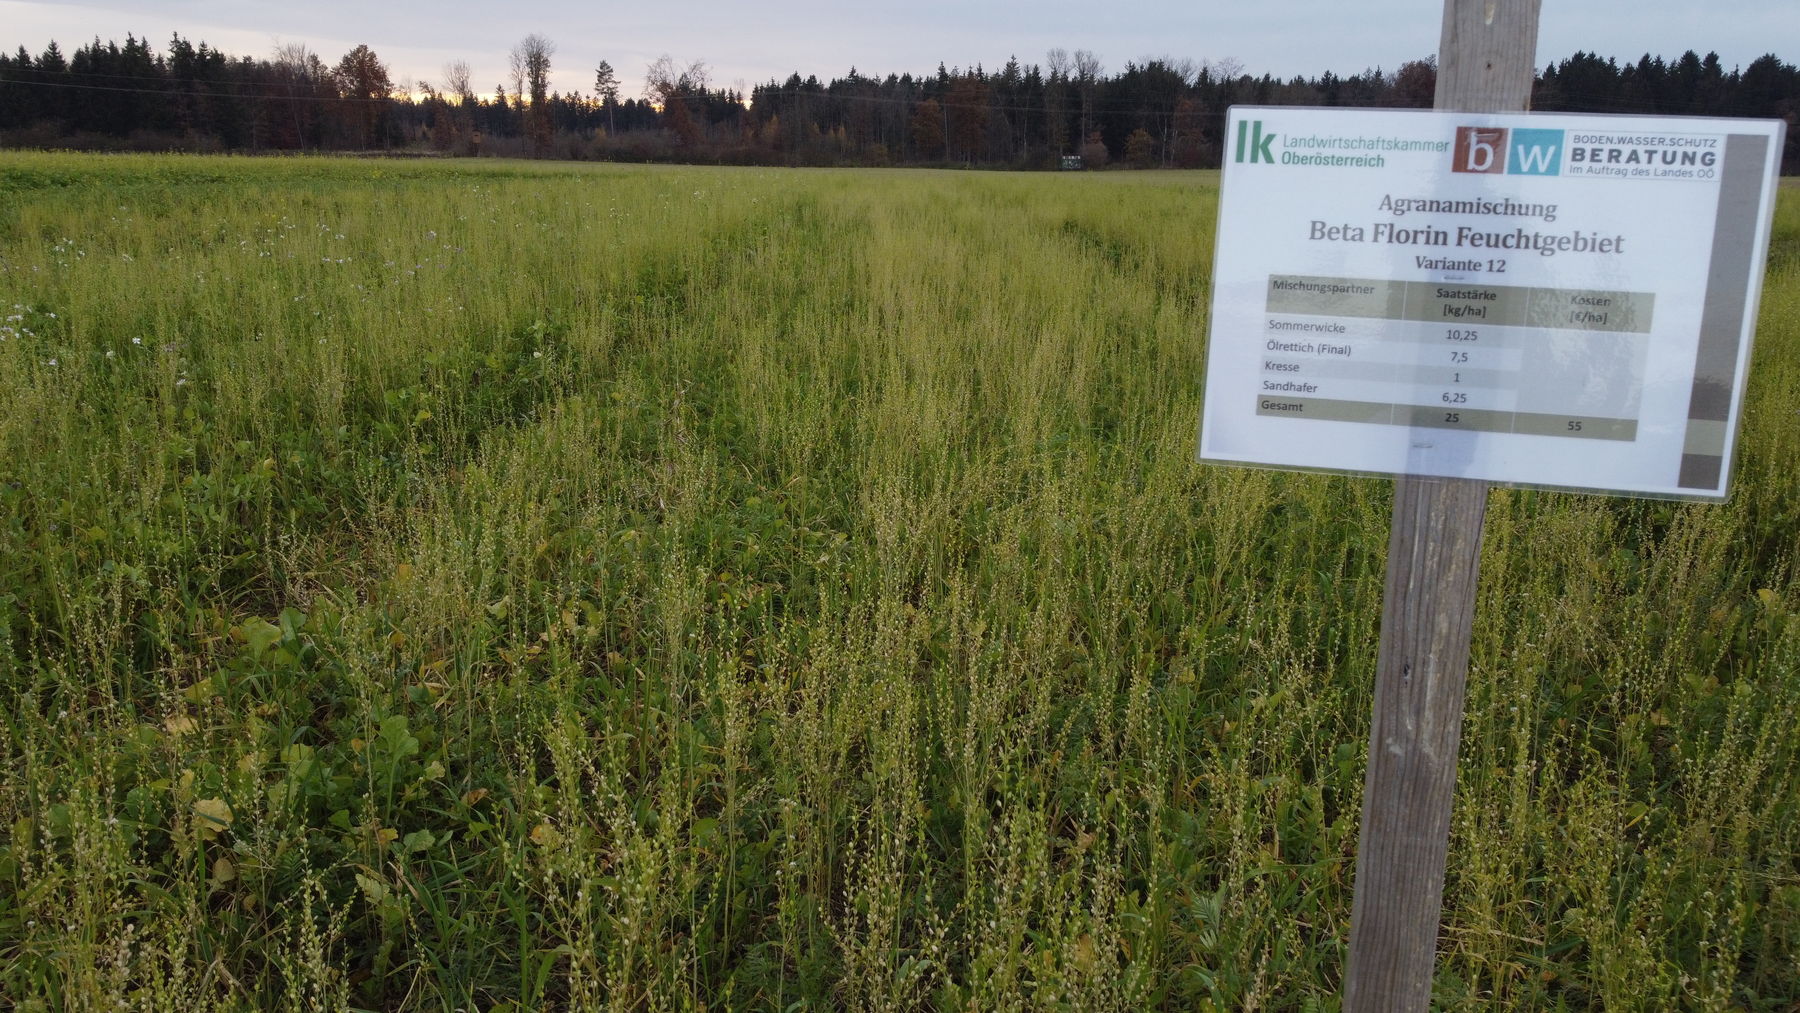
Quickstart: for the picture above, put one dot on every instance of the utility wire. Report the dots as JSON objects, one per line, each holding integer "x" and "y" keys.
{"x": 1587, "y": 104}
{"x": 233, "y": 89}
{"x": 265, "y": 96}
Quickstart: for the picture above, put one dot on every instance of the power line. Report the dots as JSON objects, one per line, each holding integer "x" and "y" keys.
{"x": 264, "y": 96}
{"x": 268, "y": 93}
{"x": 268, "y": 96}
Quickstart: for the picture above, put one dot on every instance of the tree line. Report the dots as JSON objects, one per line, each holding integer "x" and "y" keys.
{"x": 1156, "y": 112}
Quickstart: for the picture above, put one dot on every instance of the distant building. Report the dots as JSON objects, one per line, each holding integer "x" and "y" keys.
{"x": 1071, "y": 162}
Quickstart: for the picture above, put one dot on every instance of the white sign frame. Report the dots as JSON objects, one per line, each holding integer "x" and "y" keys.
{"x": 1553, "y": 300}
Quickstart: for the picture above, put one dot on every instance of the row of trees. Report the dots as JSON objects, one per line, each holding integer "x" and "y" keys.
{"x": 1154, "y": 112}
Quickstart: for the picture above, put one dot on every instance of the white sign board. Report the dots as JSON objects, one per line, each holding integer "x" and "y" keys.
{"x": 1538, "y": 299}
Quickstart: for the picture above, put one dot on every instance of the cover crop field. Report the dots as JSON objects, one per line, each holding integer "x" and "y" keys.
{"x": 474, "y": 586}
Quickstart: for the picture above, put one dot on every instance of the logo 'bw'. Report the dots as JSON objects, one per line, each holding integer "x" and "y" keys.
{"x": 1252, "y": 139}
{"x": 1516, "y": 152}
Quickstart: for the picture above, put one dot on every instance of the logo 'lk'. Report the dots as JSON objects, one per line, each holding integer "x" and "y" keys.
{"x": 1516, "y": 152}
{"x": 1252, "y": 139}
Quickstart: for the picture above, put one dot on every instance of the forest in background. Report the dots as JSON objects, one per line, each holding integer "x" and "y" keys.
{"x": 1156, "y": 112}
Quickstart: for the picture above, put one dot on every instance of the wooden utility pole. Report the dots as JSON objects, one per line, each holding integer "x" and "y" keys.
{"x": 1485, "y": 64}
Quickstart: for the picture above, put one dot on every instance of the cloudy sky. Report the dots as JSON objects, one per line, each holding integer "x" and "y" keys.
{"x": 749, "y": 43}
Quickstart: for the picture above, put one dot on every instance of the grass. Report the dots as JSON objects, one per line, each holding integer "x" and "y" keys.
{"x": 488, "y": 586}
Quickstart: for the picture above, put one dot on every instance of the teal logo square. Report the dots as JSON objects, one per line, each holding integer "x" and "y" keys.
{"x": 1535, "y": 153}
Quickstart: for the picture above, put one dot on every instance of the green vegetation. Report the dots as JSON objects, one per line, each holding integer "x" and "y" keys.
{"x": 485, "y": 586}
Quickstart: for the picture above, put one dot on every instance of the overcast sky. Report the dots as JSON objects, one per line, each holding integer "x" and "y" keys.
{"x": 745, "y": 44}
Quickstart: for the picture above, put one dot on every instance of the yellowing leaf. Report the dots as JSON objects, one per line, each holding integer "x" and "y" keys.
{"x": 179, "y": 724}
{"x": 1085, "y": 954}
{"x": 222, "y": 871}
{"x": 545, "y": 836}
{"x": 214, "y": 815}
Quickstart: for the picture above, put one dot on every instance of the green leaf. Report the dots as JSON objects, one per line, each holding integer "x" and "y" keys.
{"x": 372, "y": 888}
{"x": 292, "y": 621}
{"x": 396, "y": 740}
{"x": 260, "y": 634}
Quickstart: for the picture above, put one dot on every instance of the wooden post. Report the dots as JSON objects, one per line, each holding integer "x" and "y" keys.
{"x": 1434, "y": 555}
{"x": 1485, "y": 64}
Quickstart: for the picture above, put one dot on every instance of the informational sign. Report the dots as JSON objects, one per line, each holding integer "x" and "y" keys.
{"x": 1536, "y": 299}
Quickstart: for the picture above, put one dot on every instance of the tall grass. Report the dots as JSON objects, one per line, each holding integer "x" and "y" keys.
{"x": 501, "y": 586}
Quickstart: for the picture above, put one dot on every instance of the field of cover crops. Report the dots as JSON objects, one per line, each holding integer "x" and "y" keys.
{"x": 484, "y": 586}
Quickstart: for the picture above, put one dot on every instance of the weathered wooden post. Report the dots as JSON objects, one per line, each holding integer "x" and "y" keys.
{"x": 1485, "y": 64}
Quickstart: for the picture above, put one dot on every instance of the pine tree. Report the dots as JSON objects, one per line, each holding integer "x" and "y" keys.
{"x": 606, "y": 86}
